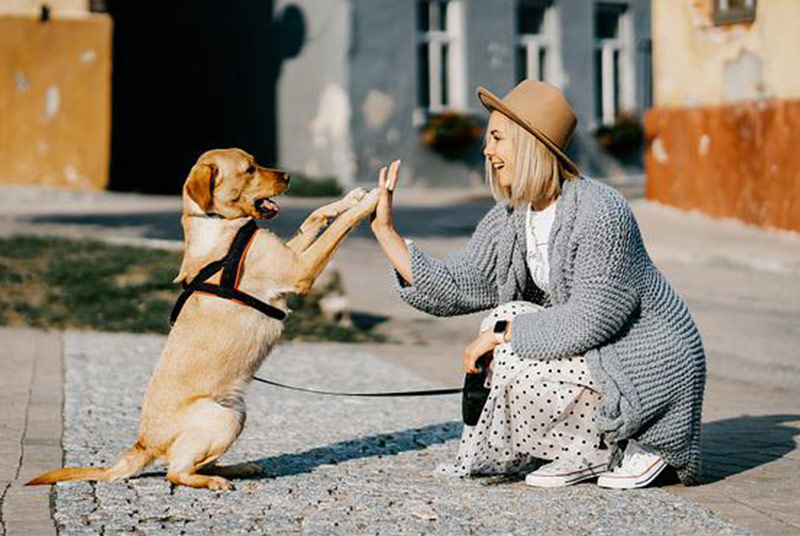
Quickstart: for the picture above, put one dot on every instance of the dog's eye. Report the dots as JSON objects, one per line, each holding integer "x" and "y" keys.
{"x": 251, "y": 170}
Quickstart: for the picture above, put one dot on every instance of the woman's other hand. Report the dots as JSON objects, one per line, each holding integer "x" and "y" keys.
{"x": 392, "y": 244}
{"x": 485, "y": 343}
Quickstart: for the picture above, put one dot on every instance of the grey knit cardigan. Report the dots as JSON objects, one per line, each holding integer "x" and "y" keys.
{"x": 607, "y": 302}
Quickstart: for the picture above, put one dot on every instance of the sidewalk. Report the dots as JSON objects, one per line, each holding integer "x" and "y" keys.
{"x": 741, "y": 285}
{"x": 342, "y": 466}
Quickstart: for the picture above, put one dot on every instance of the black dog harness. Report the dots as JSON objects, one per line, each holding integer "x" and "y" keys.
{"x": 228, "y": 288}
{"x": 231, "y": 266}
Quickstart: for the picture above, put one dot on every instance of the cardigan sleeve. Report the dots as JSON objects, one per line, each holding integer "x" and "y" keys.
{"x": 462, "y": 282}
{"x": 608, "y": 262}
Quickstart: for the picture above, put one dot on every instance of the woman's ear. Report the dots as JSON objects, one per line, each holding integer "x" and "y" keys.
{"x": 200, "y": 185}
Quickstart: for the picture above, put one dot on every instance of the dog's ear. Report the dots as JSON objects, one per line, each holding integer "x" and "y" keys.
{"x": 200, "y": 185}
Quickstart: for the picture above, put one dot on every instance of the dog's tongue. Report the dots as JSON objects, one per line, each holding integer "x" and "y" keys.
{"x": 267, "y": 208}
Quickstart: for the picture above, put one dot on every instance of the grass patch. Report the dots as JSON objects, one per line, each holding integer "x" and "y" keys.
{"x": 84, "y": 284}
{"x": 303, "y": 186}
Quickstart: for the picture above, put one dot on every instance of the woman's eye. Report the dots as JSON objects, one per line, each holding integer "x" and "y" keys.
{"x": 251, "y": 170}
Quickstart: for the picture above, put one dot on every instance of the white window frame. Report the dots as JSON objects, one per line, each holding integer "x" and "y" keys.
{"x": 622, "y": 44}
{"x": 548, "y": 40}
{"x": 454, "y": 37}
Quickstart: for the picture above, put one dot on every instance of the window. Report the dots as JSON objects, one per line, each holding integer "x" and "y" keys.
{"x": 612, "y": 70}
{"x": 733, "y": 11}
{"x": 536, "y": 47}
{"x": 441, "y": 80}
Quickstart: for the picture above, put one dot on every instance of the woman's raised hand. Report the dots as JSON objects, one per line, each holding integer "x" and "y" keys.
{"x": 392, "y": 244}
{"x": 387, "y": 180}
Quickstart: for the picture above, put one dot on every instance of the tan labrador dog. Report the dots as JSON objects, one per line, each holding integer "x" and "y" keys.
{"x": 194, "y": 408}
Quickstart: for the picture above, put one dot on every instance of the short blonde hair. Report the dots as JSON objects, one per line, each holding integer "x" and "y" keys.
{"x": 538, "y": 172}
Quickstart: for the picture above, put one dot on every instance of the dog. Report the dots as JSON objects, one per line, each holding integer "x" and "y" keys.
{"x": 193, "y": 409}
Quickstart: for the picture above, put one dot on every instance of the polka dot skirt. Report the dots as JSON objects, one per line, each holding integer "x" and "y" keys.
{"x": 536, "y": 410}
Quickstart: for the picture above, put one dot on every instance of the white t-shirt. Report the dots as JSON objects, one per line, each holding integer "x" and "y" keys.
{"x": 537, "y": 228}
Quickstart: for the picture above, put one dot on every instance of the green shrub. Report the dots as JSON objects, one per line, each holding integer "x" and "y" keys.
{"x": 303, "y": 186}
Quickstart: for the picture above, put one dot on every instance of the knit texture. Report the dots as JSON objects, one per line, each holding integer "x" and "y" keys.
{"x": 607, "y": 302}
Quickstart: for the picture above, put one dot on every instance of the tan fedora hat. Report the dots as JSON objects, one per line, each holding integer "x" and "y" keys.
{"x": 541, "y": 109}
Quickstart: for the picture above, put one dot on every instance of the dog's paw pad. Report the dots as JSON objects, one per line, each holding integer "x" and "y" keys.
{"x": 357, "y": 194}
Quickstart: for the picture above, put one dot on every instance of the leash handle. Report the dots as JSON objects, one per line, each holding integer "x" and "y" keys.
{"x": 389, "y": 394}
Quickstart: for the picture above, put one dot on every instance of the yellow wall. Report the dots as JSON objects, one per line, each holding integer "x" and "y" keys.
{"x": 698, "y": 63}
{"x": 55, "y": 100}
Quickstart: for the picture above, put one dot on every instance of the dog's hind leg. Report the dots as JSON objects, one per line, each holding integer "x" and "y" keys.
{"x": 209, "y": 430}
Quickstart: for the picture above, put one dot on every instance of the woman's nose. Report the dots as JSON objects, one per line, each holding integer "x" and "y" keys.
{"x": 488, "y": 151}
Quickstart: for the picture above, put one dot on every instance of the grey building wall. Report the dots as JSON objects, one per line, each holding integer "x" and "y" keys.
{"x": 347, "y": 101}
{"x": 314, "y": 115}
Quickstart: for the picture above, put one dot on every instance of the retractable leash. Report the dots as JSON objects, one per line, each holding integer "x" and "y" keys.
{"x": 228, "y": 288}
{"x": 384, "y": 394}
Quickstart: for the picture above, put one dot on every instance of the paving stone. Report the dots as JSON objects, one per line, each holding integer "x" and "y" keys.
{"x": 345, "y": 466}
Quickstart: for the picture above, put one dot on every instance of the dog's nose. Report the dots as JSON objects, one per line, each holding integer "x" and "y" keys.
{"x": 286, "y": 177}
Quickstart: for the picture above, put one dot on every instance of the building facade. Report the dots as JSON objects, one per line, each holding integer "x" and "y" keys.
{"x": 722, "y": 134}
{"x": 55, "y": 94}
{"x": 382, "y": 79}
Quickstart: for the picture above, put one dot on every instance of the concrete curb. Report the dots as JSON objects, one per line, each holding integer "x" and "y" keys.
{"x": 31, "y": 393}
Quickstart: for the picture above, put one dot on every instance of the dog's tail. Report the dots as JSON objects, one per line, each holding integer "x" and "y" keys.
{"x": 131, "y": 463}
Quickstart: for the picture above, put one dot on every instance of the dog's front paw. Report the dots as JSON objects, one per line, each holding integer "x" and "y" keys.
{"x": 370, "y": 201}
{"x": 357, "y": 194}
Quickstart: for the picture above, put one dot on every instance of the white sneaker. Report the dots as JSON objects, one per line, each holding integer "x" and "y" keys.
{"x": 640, "y": 466}
{"x": 565, "y": 472}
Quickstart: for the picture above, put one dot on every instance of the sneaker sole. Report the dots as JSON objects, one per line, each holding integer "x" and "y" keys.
{"x": 634, "y": 481}
{"x": 560, "y": 481}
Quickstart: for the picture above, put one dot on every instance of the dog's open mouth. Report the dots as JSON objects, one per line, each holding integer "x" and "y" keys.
{"x": 266, "y": 208}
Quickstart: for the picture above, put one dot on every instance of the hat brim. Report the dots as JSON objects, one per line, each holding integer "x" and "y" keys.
{"x": 492, "y": 103}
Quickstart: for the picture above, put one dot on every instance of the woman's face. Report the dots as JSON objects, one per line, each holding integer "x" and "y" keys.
{"x": 499, "y": 150}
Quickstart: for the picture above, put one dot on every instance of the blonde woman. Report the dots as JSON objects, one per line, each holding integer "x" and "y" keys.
{"x": 598, "y": 369}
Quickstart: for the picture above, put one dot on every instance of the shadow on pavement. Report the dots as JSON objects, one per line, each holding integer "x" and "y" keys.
{"x": 447, "y": 221}
{"x": 364, "y": 447}
{"x": 732, "y": 446}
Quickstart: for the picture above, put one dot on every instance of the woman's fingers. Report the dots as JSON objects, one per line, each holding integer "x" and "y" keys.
{"x": 382, "y": 178}
{"x": 383, "y": 213}
{"x": 393, "y": 171}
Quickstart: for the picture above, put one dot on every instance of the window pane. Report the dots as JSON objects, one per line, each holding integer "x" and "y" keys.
{"x": 423, "y": 16}
{"x": 530, "y": 17}
{"x": 521, "y": 63}
{"x": 442, "y": 7}
{"x": 542, "y": 62}
{"x": 445, "y": 68}
{"x": 598, "y": 84}
{"x": 616, "y": 82}
{"x": 606, "y": 20}
{"x": 423, "y": 76}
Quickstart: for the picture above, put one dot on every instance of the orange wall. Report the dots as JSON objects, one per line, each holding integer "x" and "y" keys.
{"x": 55, "y": 100}
{"x": 739, "y": 160}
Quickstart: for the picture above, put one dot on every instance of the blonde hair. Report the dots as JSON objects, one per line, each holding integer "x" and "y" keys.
{"x": 538, "y": 172}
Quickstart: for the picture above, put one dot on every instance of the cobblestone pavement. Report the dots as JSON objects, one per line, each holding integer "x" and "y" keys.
{"x": 344, "y": 466}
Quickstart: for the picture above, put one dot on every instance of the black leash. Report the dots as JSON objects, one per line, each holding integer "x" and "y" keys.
{"x": 231, "y": 267}
{"x": 389, "y": 394}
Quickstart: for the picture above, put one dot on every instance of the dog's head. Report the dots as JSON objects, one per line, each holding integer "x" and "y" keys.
{"x": 229, "y": 183}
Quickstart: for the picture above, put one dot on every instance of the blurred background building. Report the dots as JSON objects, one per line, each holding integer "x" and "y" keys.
{"x": 329, "y": 88}
{"x": 55, "y": 94}
{"x": 336, "y": 88}
{"x": 381, "y": 79}
{"x": 724, "y": 130}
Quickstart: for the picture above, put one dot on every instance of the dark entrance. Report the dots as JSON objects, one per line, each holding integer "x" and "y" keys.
{"x": 192, "y": 76}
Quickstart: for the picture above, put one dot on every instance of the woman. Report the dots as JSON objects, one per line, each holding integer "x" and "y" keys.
{"x": 598, "y": 367}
